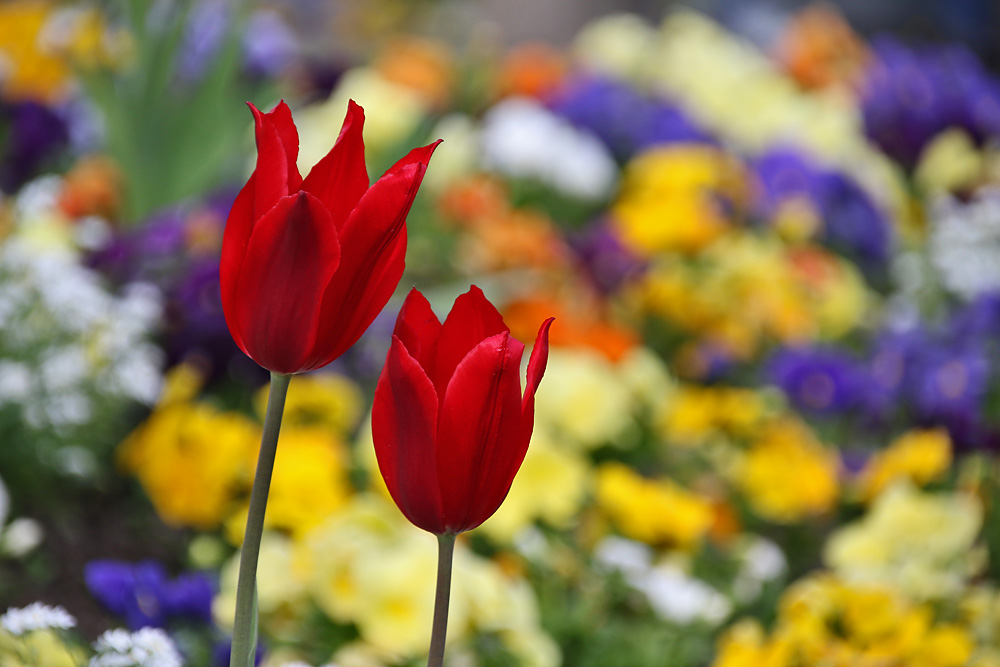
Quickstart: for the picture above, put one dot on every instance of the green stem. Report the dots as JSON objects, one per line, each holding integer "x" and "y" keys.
{"x": 244, "y": 628}
{"x": 446, "y": 549}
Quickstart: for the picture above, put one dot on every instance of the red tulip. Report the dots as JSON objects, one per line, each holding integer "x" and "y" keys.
{"x": 449, "y": 422}
{"x": 307, "y": 264}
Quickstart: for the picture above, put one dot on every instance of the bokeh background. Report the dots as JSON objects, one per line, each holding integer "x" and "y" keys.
{"x": 770, "y": 235}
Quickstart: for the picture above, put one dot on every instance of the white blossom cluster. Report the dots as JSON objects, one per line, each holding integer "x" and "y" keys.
{"x": 965, "y": 243}
{"x": 523, "y": 139}
{"x": 66, "y": 342}
{"x": 148, "y": 647}
{"x": 36, "y": 616}
{"x": 673, "y": 594}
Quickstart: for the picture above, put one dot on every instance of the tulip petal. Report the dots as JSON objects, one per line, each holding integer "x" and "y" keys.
{"x": 536, "y": 368}
{"x": 281, "y": 118}
{"x": 538, "y": 360}
{"x": 291, "y": 256}
{"x": 271, "y": 172}
{"x": 418, "y": 328}
{"x": 404, "y": 430}
{"x": 472, "y": 319}
{"x": 478, "y": 431}
{"x": 239, "y": 226}
{"x": 341, "y": 178}
{"x": 375, "y": 236}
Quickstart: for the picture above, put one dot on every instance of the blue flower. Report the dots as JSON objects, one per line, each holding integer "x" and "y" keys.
{"x": 625, "y": 120}
{"x": 911, "y": 95}
{"x": 143, "y": 595}
{"x": 819, "y": 381}
{"x": 852, "y": 223}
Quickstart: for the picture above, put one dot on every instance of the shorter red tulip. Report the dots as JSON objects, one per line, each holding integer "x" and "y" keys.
{"x": 449, "y": 422}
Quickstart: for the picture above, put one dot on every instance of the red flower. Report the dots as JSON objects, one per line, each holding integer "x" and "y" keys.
{"x": 449, "y": 423}
{"x": 307, "y": 264}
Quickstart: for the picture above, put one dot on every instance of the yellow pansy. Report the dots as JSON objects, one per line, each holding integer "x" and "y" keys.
{"x": 324, "y": 400}
{"x": 192, "y": 460}
{"x": 670, "y": 198}
{"x": 652, "y": 511}
{"x": 921, "y": 542}
{"x": 920, "y": 455}
{"x": 309, "y": 482}
{"x": 788, "y": 474}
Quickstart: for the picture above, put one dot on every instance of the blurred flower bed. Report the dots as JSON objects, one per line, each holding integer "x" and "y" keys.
{"x": 767, "y": 432}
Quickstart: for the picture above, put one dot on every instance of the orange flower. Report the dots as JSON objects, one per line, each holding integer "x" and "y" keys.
{"x": 577, "y": 327}
{"x": 531, "y": 70}
{"x": 423, "y": 65}
{"x": 819, "y": 49}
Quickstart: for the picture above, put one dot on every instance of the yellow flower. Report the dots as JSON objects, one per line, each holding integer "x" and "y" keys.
{"x": 921, "y": 542}
{"x": 652, "y": 511}
{"x": 616, "y": 44}
{"x": 746, "y": 288}
{"x": 744, "y": 645}
{"x": 550, "y": 486}
{"x": 669, "y": 199}
{"x": 950, "y": 163}
{"x": 918, "y": 455}
{"x": 699, "y": 414}
{"x": 789, "y": 475}
{"x": 192, "y": 460}
{"x": 328, "y": 555}
{"x": 584, "y": 400}
{"x": 281, "y": 594}
{"x": 324, "y": 400}
{"x": 41, "y": 648}
{"x": 40, "y": 43}
{"x": 944, "y": 646}
{"x": 308, "y": 483}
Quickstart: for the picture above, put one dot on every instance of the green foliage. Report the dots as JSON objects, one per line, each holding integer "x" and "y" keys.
{"x": 172, "y": 138}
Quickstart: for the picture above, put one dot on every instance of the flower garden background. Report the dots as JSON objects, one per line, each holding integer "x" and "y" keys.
{"x": 768, "y": 429}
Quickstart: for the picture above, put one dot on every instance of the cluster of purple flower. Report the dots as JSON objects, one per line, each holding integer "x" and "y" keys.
{"x": 623, "y": 118}
{"x": 910, "y": 95}
{"x": 144, "y": 596}
{"x": 852, "y": 223}
{"x": 923, "y": 375}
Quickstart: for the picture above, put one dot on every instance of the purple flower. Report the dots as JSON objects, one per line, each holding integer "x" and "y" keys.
{"x": 269, "y": 45}
{"x": 818, "y": 380}
{"x": 852, "y": 223}
{"x": 604, "y": 258}
{"x": 910, "y": 95}
{"x": 626, "y": 121}
{"x": 949, "y": 382}
{"x": 144, "y": 596}
{"x": 31, "y": 135}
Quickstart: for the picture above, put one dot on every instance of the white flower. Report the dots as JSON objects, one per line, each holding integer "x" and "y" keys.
{"x": 21, "y": 536}
{"x": 965, "y": 242}
{"x": 523, "y": 139}
{"x": 631, "y": 558}
{"x": 681, "y": 598}
{"x": 148, "y": 647}
{"x": 36, "y": 616}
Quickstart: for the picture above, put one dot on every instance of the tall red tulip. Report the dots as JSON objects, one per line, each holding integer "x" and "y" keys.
{"x": 308, "y": 263}
{"x": 449, "y": 422}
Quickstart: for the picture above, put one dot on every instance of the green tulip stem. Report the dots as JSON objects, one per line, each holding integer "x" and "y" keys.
{"x": 446, "y": 551}
{"x": 244, "y": 628}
